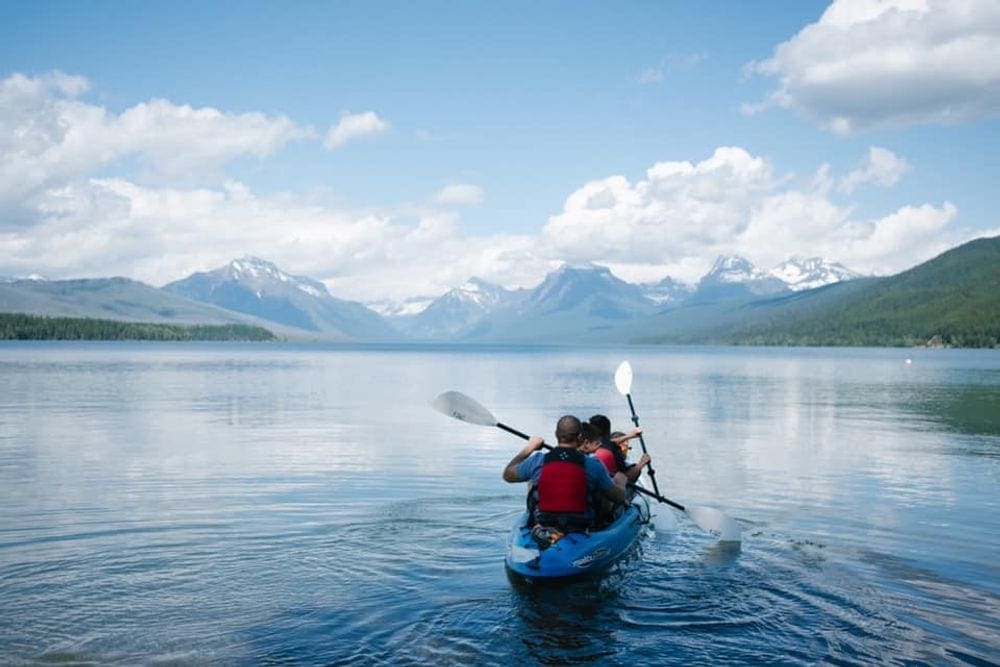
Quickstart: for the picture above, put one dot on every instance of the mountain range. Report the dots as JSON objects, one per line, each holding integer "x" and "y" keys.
{"x": 259, "y": 288}
{"x": 735, "y": 302}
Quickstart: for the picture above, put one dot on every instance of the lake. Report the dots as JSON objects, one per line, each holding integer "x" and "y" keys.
{"x": 259, "y": 503}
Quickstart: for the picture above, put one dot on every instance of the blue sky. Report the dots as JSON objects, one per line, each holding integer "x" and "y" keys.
{"x": 497, "y": 140}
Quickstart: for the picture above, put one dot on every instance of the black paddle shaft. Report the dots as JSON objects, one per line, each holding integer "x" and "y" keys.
{"x": 649, "y": 466}
{"x": 656, "y": 496}
{"x": 647, "y": 492}
{"x": 523, "y": 436}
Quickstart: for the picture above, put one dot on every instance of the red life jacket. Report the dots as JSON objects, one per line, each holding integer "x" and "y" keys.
{"x": 607, "y": 457}
{"x": 562, "y": 486}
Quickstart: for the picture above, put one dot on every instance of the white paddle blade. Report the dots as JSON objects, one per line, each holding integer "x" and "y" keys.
{"x": 715, "y": 522}
{"x": 457, "y": 405}
{"x": 623, "y": 378}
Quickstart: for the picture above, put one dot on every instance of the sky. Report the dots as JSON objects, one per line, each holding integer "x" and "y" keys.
{"x": 393, "y": 150}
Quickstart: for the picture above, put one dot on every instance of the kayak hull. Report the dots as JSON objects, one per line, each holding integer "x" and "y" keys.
{"x": 576, "y": 553}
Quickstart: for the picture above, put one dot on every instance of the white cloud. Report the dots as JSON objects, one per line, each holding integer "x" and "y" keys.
{"x": 460, "y": 194}
{"x": 116, "y": 227}
{"x": 49, "y": 138}
{"x": 682, "y": 215}
{"x": 674, "y": 220}
{"x": 881, "y": 166}
{"x": 354, "y": 126}
{"x": 680, "y": 210}
{"x": 871, "y": 63}
{"x": 650, "y": 75}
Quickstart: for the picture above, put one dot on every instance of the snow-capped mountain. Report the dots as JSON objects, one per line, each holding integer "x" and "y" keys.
{"x": 595, "y": 287}
{"x": 258, "y": 287}
{"x": 572, "y": 304}
{"x": 34, "y": 277}
{"x": 458, "y": 310}
{"x": 732, "y": 277}
{"x": 410, "y": 306}
{"x": 667, "y": 292}
{"x": 800, "y": 274}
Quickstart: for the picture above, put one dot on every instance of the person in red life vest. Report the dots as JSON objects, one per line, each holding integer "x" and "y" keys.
{"x": 590, "y": 444}
{"x": 567, "y": 482}
{"x": 609, "y": 452}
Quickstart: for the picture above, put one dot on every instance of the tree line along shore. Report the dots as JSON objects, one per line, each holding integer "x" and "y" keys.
{"x": 17, "y": 326}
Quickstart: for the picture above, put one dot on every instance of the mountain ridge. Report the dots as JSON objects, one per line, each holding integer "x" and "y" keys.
{"x": 950, "y": 300}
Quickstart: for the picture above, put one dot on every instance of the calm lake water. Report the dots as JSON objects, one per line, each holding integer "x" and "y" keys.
{"x": 297, "y": 504}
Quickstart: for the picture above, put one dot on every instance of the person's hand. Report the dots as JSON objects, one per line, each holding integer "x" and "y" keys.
{"x": 535, "y": 443}
{"x": 644, "y": 460}
{"x": 636, "y": 432}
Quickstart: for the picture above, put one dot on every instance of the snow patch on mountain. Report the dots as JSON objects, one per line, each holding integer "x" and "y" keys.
{"x": 802, "y": 274}
{"x": 733, "y": 269}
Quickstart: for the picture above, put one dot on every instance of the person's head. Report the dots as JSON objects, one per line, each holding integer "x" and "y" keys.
{"x": 621, "y": 443}
{"x": 568, "y": 430}
{"x": 602, "y": 424}
{"x": 589, "y": 439}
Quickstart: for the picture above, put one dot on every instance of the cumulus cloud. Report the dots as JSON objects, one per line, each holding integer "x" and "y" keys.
{"x": 679, "y": 210}
{"x": 674, "y": 221}
{"x": 49, "y": 138}
{"x": 682, "y": 215}
{"x": 871, "y": 63}
{"x": 460, "y": 194}
{"x": 881, "y": 166}
{"x": 57, "y": 151}
{"x": 354, "y": 126}
{"x": 113, "y": 226}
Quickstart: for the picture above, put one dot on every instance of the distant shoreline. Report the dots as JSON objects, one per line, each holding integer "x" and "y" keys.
{"x": 18, "y": 326}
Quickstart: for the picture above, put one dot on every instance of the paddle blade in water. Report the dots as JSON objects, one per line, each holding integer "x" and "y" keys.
{"x": 459, "y": 406}
{"x": 623, "y": 378}
{"x": 715, "y": 522}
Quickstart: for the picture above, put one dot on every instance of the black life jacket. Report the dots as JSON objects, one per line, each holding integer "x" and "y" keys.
{"x": 562, "y": 486}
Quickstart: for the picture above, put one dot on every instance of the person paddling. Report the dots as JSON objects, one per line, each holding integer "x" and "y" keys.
{"x": 610, "y": 452}
{"x": 567, "y": 482}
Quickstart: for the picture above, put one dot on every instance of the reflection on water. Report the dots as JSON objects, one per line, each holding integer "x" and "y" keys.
{"x": 270, "y": 503}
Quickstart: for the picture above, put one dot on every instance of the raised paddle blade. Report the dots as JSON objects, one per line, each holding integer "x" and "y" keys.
{"x": 457, "y": 405}
{"x": 623, "y": 378}
{"x": 715, "y": 522}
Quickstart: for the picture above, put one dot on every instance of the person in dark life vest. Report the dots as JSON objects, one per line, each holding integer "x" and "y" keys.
{"x": 567, "y": 481}
{"x": 609, "y": 452}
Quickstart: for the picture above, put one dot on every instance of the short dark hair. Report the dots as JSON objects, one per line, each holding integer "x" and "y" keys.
{"x": 602, "y": 424}
{"x": 588, "y": 432}
{"x": 568, "y": 429}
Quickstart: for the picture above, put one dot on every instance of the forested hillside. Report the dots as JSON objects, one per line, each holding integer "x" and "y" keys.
{"x": 16, "y": 326}
{"x": 951, "y": 300}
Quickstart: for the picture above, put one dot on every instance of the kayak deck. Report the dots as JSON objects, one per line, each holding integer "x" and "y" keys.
{"x": 576, "y": 553}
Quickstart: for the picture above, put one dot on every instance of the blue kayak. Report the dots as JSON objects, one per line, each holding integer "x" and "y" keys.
{"x": 576, "y": 553}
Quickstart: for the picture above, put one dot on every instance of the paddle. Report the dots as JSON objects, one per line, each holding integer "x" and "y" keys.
{"x": 459, "y": 406}
{"x": 623, "y": 380}
{"x": 709, "y": 519}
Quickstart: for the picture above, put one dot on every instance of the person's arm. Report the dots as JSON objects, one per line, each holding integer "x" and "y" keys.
{"x": 612, "y": 488}
{"x": 510, "y": 473}
{"x": 633, "y": 472}
{"x": 635, "y": 433}
{"x": 616, "y": 492}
